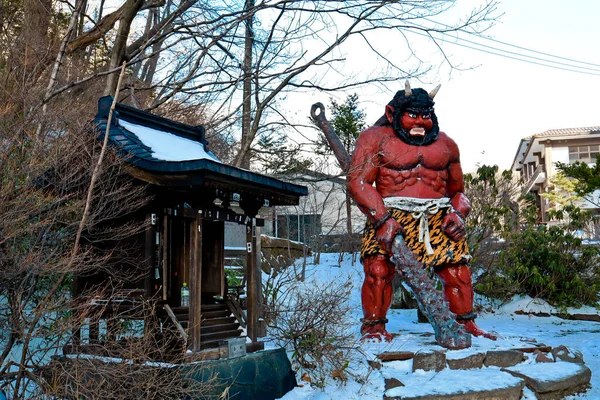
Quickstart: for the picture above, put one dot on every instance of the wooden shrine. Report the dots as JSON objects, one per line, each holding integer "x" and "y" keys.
{"x": 192, "y": 195}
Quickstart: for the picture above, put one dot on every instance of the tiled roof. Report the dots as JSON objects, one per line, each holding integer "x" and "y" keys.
{"x": 140, "y": 155}
{"x": 566, "y": 132}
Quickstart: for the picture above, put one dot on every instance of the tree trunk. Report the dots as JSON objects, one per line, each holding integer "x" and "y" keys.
{"x": 37, "y": 15}
{"x": 150, "y": 66}
{"x": 243, "y": 159}
{"x": 118, "y": 53}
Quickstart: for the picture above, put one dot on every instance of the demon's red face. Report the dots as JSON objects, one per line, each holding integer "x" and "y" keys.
{"x": 412, "y": 117}
{"x": 416, "y": 123}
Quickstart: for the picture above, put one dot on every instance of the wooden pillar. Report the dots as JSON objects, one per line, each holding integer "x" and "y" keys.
{"x": 195, "y": 281}
{"x": 149, "y": 252}
{"x": 94, "y": 331}
{"x": 166, "y": 260}
{"x": 253, "y": 279}
{"x": 75, "y": 304}
{"x": 150, "y": 246}
{"x": 261, "y": 328}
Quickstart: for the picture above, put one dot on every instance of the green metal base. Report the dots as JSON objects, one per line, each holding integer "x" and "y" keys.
{"x": 264, "y": 375}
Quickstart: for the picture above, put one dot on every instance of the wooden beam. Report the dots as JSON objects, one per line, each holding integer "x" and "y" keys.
{"x": 237, "y": 311}
{"x": 195, "y": 283}
{"x": 174, "y": 319}
{"x": 229, "y": 216}
{"x": 214, "y": 354}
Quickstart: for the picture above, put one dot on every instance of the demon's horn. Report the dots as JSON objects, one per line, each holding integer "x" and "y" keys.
{"x": 434, "y": 91}
{"x": 407, "y": 91}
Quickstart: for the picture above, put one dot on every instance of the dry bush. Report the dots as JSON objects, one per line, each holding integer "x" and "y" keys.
{"x": 46, "y": 164}
{"x": 123, "y": 365}
{"x": 311, "y": 320}
{"x": 45, "y": 179}
{"x": 48, "y": 153}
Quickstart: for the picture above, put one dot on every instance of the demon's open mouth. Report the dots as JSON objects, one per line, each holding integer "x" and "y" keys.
{"x": 417, "y": 132}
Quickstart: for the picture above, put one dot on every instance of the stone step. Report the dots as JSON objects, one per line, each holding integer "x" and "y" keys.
{"x": 493, "y": 374}
{"x": 553, "y": 379}
{"x": 483, "y": 384}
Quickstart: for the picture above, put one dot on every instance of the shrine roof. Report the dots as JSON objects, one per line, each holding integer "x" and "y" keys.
{"x": 169, "y": 153}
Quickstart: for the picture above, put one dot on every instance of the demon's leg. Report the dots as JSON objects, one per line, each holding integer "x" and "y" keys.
{"x": 458, "y": 292}
{"x": 376, "y": 296}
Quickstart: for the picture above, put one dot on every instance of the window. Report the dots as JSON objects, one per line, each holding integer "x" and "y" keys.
{"x": 287, "y": 227}
{"x": 585, "y": 154}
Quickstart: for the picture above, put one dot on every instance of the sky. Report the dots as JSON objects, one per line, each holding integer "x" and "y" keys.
{"x": 488, "y": 110}
{"x": 490, "y": 103}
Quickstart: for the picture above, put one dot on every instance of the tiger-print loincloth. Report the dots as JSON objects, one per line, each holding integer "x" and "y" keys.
{"x": 445, "y": 250}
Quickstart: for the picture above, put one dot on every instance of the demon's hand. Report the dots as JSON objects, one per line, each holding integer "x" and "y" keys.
{"x": 386, "y": 233}
{"x": 454, "y": 227}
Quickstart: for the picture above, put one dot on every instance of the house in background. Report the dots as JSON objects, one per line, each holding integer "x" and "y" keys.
{"x": 537, "y": 155}
{"x": 321, "y": 218}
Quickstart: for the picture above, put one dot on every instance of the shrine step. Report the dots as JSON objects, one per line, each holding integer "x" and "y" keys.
{"x": 216, "y": 314}
{"x": 213, "y": 324}
{"x": 211, "y": 340}
{"x": 217, "y": 321}
{"x": 213, "y": 307}
{"x": 219, "y": 328}
{"x": 183, "y": 314}
{"x": 217, "y": 336}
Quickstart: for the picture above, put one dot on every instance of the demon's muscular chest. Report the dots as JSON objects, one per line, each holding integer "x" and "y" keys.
{"x": 416, "y": 171}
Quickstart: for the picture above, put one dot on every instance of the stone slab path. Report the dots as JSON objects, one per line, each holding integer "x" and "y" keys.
{"x": 483, "y": 374}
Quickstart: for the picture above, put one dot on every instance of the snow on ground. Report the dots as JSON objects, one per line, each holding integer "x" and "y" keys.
{"x": 514, "y": 330}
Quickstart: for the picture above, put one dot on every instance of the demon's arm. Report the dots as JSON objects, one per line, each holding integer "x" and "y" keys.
{"x": 454, "y": 223}
{"x": 363, "y": 171}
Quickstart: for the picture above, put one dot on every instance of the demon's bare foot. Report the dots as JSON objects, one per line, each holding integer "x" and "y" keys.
{"x": 471, "y": 327}
{"x": 377, "y": 335}
{"x": 374, "y": 329}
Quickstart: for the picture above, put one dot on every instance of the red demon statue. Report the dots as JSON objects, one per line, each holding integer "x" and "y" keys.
{"x": 406, "y": 177}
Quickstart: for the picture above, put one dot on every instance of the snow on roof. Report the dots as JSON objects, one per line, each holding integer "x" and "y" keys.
{"x": 166, "y": 146}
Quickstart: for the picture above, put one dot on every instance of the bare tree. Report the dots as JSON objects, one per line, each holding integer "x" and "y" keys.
{"x": 301, "y": 46}
{"x": 65, "y": 204}
{"x": 243, "y": 59}
{"x": 495, "y": 197}
{"x": 42, "y": 197}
